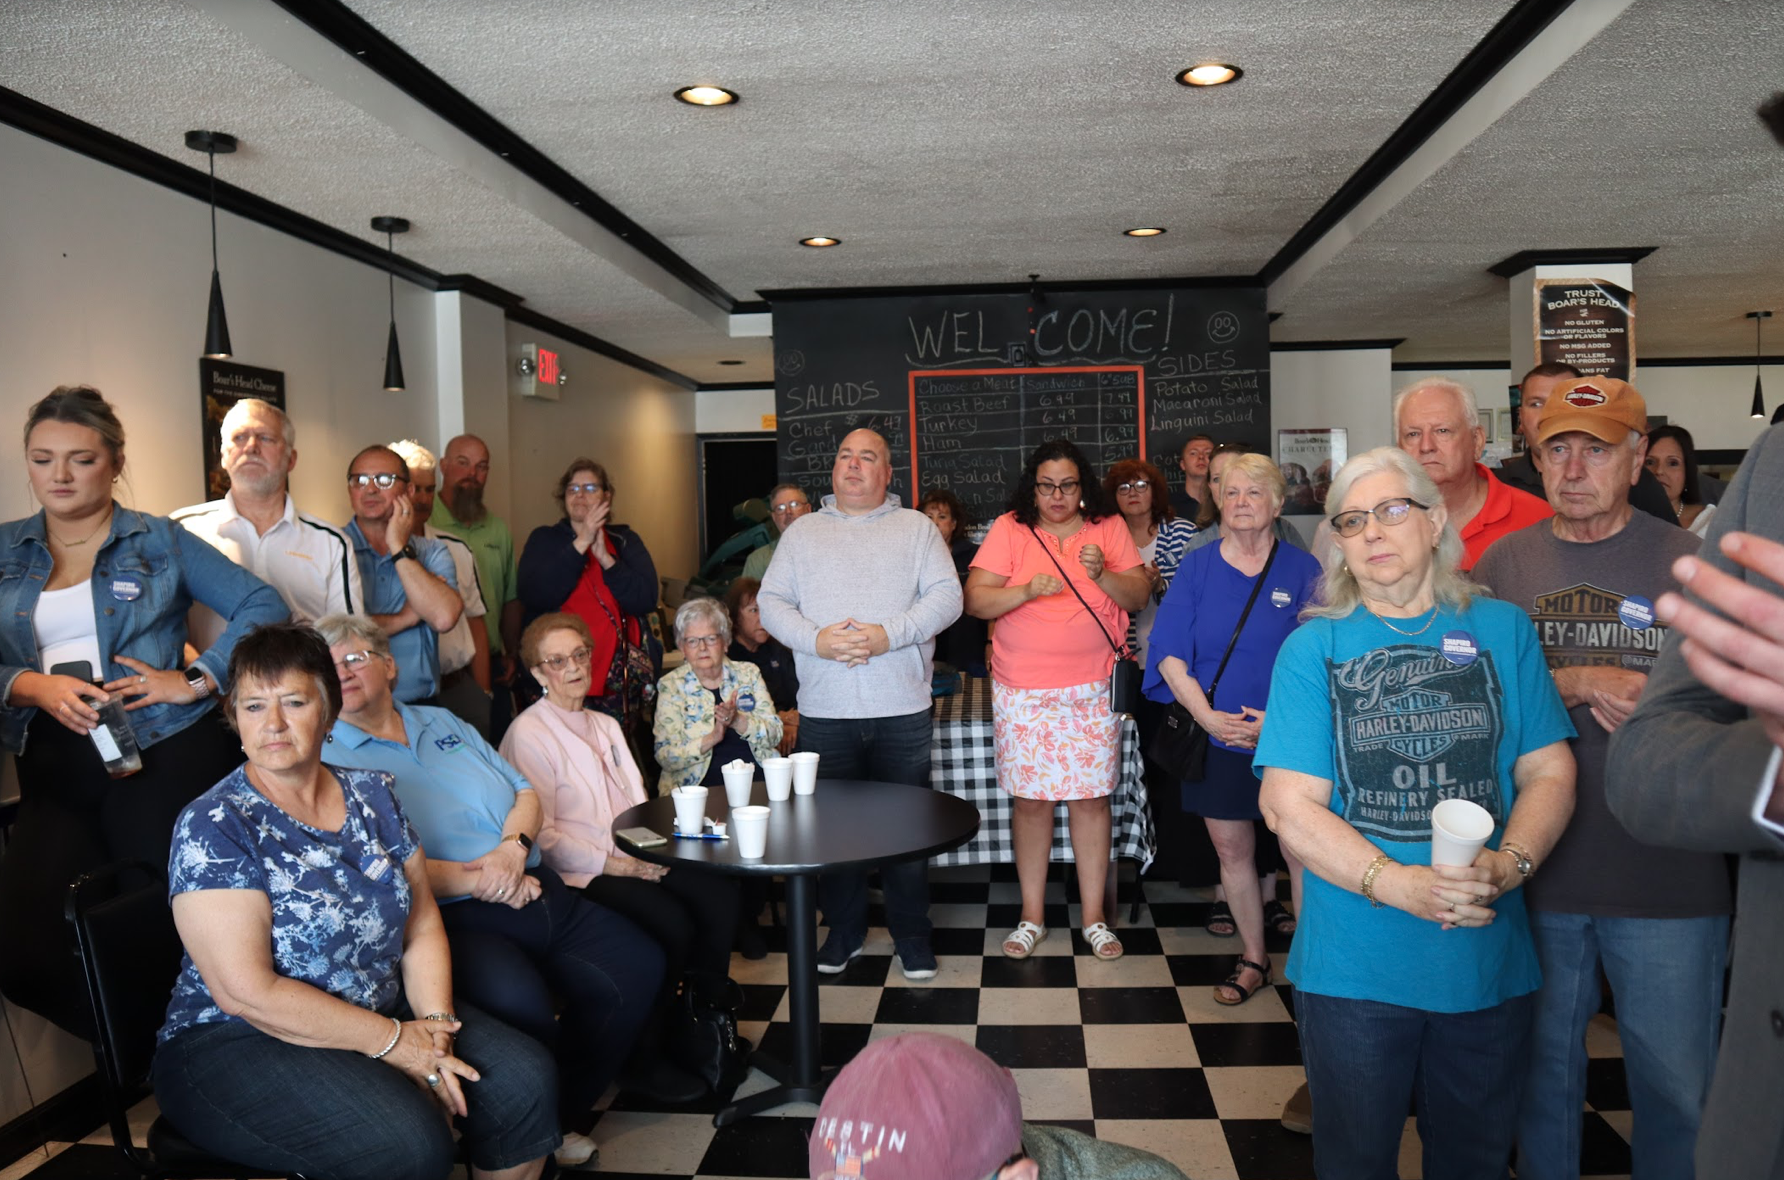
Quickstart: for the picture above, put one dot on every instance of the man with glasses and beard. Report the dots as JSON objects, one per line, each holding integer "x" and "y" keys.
{"x": 459, "y": 510}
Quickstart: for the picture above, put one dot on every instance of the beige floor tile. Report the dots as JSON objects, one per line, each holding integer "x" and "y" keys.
{"x": 1193, "y": 940}
{"x": 1057, "y": 942}
{"x": 753, "y": 1029}
{"x": 1412, "y": 1152}
{"x": 1139, "y": 1046}
{"x": 1253, "y": 1092}
{"x": 1200, "y": 1007}
{"x": 1621, "y": 1121}
{"x": 1602, "y": 1038}
{"x": 951, "y": 971}
{"x": 1054, "y": 1093}
{"x": 27, "y": 1164}
{"x": 877, "y": 942}
{"x": 1029, "y": 1005}
{"x": 755, "y": 1083}
{"x": 1127, "y": 971}
{"x": 839, "y": 1004}
{"x": 960, "y": 1032}
{"x": 661, "y": 1144}
{"x": 1197, "y": 1146}
{"x": 770, "y": 970}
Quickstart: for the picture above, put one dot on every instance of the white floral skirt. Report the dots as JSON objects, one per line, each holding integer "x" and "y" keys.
{"x": 1056, "y": 743}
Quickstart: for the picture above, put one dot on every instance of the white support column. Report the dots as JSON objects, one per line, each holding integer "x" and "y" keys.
{"x": 471, "y": 340}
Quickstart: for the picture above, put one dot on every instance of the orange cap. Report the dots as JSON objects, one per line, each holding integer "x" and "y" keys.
{"x": 1603, "y": 407}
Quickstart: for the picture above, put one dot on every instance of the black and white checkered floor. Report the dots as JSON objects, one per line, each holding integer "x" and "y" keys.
{"x": 1134, "y": 1050}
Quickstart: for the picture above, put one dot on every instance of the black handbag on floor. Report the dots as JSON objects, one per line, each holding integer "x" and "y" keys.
{"x": 1181, "y": 745}
{"x": 1124, "y": 678}
{"x": 703, "y": 1036}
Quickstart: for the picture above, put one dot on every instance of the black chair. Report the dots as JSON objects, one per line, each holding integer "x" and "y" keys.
{"x": 130, "y": 953}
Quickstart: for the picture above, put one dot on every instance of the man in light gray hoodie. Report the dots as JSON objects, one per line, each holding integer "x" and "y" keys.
{"x": 859, "y": 590}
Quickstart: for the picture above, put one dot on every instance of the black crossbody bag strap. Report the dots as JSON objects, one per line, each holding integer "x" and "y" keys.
{"x": 1243, "y": 615}
{"x": 1113, "y": 646}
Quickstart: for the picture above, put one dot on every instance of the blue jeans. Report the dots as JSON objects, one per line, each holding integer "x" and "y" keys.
{"x": 519, "y": 964}
{"x": 242, "y": 1094}
{"x": 1666, "y": 974}
{"x": 880, "y": 750}
{"x": 1368, "y": 1062}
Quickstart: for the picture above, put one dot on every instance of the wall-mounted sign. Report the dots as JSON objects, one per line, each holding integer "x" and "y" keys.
{"x": 220, "y": 385}
{"x": 539, "y": 372}
{"x": 1308, "y": 459}
{"x": 1586, "y": 323}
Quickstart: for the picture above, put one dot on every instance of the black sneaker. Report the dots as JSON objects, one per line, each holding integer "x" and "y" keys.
{"x": 835, "y": 954}
{"x": 915, "y": 958}
{"x": 750, "y": 942}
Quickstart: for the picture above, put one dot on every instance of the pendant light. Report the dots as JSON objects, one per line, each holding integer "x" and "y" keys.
{"x": 393, "y": 356}
{"x": 1758, "y": 318}
{"x": 216, "y": 323}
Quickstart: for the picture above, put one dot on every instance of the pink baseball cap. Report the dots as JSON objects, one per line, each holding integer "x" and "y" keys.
{"x": 917, "y": 1107}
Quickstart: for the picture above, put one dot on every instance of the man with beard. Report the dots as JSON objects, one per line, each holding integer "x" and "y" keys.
{"x": 256, "y": 525}
{"x": 460, "y": 512}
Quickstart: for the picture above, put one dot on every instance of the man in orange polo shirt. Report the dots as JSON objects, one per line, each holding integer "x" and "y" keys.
{"x": 1435, "y": 421}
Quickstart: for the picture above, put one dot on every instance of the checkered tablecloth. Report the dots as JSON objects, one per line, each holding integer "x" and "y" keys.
{"x": 964, "y": 763}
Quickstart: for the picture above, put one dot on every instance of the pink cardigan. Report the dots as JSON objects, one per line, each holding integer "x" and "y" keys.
{"x": 584, "y": 775}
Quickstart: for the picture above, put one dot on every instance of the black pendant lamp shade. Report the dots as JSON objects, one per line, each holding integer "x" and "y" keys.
{"x": 216, "y": 321}
{"x": 1758, "y": 318}
{"x": 393, "y": 355}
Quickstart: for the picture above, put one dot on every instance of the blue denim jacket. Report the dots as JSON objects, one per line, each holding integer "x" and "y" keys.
{"x": 146, "y": 576}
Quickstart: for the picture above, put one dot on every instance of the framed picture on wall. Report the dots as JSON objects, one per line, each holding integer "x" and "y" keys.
{"x": 1486, "y": 425}
{"x": 1507, "y": 425}
{"x": 1308, "y": 459}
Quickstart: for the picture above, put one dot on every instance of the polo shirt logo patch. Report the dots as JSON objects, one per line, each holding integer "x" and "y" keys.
{"x": 449, "y": 743}
{"x": 1584, "y": 397}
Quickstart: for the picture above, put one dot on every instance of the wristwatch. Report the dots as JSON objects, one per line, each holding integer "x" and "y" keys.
{"x": 195, "y": 678}
{"x": 1526, "y": 866}
{"x": 522, "y": 839}
{"x": 407, "y": 551}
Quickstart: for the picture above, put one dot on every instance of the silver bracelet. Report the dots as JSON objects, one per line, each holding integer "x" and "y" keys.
{"x": 396, "y": 1034}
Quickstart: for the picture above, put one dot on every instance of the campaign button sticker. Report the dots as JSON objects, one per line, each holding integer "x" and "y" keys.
{"x": 746, "y": 700}
{"x": 126, "y": 589}
{"x": 1279, "y": 597}
{"x": 1458, "y": 647}
{"x": 1636, "y": 612}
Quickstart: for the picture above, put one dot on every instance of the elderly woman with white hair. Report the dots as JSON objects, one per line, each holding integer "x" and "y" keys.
{"x": 1215, "y": 639}
{"x": 1401, "y": 690}
{"x": 712, "y": 709}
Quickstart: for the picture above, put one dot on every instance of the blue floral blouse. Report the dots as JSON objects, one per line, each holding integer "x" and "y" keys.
{"x": 340, "y": 899}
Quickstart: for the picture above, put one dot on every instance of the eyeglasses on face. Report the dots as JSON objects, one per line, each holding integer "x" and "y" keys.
{"x": 699, "y": 640}
{"x": 584, "y": 489}
{"x": 353, "y": 661}
{"x": 556, "y": 663}
{"x": 791, "y": 508}
{"x": 1388, "y": 512}
{"x": 382, "y": 480}
{"x": 1133, "y": 485}
{"x": 1065, "y": 487}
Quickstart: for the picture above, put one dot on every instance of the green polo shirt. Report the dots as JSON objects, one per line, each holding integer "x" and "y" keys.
{"x": 492, "y": 548}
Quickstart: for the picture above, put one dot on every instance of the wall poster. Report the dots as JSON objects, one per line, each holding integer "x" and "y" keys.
{"x": 1309, "y": 458}
{"x": 1586, "y": 323}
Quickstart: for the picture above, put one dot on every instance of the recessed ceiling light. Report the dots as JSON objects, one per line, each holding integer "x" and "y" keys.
{"x": 706, "y": 96}
{"x": 820, "y": 241}
{"x": 1210, "y": 75}
{"x": 1147, "y": 232}
{"x": 730, "y": 362}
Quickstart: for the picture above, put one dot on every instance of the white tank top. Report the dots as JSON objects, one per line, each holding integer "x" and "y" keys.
{"x": 67, "y": 629}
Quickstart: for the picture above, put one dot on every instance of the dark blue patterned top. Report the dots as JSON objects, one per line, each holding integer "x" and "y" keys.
{"x": 340, "y": 900}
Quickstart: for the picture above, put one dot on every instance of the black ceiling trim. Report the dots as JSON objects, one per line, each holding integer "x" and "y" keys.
{"x": 611, "y": 351}
{"x": 751, "y": 307}
{"x": 1063, "y": 287}
{"x": 1332, "y": 345}
{"x": 1503, "y": 42}
{"x": 734, "y": 386}
{"x": 472, "y": 285}
{"x": 1425, "y": 366}
{"x": 1523, "y": 260}
{"x": 384, "y": 57}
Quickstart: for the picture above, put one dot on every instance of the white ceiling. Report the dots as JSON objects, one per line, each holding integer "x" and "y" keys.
{"x": 951, "y": 143}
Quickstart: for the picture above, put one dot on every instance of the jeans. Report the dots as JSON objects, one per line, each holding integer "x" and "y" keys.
{"x": 1666, "y": 974}
{"x": 1367, "y": 1062}
{"x": 881, "y": 750}
{"x": 518, "y": 964}
{"x": 247, "y": 1096}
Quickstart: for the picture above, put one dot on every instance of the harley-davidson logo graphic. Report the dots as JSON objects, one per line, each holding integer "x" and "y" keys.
{"x": 1584, "y": 397}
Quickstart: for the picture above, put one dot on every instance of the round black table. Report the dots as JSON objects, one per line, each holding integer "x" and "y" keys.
{"x": 846, "y": 825}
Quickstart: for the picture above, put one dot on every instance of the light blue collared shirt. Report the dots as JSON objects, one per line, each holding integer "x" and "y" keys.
{"x": 417, "y": 649}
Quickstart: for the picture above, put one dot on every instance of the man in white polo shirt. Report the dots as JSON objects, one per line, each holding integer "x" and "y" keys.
{"x": 256, "y": 525}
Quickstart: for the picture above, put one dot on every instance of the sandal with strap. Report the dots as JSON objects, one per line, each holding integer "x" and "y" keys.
{"x": 1102, "y": 940}
{"x": 1278, "y": 918}
{"x": 1026, "y": 936}
{"x": 1222, "y": 917}
{"x": 1232, "y": 981}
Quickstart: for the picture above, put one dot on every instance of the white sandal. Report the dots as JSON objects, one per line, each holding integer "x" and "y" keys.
{"x": 1027, "y": 936}
{"x": 1101, "y": 939}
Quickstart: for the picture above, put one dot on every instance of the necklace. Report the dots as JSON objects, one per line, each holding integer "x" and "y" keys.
{"x": 1408, "y": 634}
{"x": 106, "y": 523}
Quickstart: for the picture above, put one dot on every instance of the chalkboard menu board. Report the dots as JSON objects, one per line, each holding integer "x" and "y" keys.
{"x": 965, "y": 386}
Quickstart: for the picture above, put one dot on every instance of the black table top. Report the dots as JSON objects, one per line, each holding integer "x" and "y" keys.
{"x": 845, "y": 824}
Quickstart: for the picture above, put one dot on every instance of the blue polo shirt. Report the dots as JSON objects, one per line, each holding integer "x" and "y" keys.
{"x": 416, "y": 650}
{"x": 454, "y": 787}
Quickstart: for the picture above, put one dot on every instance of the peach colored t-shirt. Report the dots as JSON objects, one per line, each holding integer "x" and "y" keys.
{"x": 1051, "y": 642}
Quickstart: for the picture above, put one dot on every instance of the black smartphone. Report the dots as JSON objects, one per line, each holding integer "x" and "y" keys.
{"x": 79, "y": 669}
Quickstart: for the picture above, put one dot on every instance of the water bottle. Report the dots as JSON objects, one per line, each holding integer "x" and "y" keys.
{"x": 115, "y": 739}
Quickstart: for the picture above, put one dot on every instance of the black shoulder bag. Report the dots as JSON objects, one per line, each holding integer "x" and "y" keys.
{"x": 1181, "y": 745}
{"x": 1124, "y": 681}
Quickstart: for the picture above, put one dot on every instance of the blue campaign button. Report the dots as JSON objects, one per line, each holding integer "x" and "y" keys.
{"x": 746, "y": 701}
{"x": 126, "y": 588}
{"x": 1458, "y": 647}
{"x": 1636, "y": 612}
{"x": 1279, "y": 597}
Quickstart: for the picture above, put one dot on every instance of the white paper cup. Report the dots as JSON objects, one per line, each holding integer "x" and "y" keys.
{"x": 778, "y": 774}
{"x": 738, "y": 781}
{"x": 749, "y": 827}
{"x": 805, "y": 772}
{"x": 1459, "y": 830}
{"x": 690, "y": 809}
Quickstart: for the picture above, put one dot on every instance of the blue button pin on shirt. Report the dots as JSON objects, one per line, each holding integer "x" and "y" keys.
{"x": 126, "y": 589}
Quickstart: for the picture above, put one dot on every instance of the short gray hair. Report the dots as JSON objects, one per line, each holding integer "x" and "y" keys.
{"x": 710, "y": 609}
{"x": 416, "y": 456}
{"x": 1339, "y": 593}
{"x": 286, "y": 426}
{"x": 341, "y": 628}
{"x": 1466, "y": 403}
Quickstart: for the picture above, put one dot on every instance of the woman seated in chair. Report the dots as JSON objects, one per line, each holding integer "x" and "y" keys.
{"x": 313, "y": 1027}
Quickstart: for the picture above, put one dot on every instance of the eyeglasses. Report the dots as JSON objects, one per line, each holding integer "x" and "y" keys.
{"x": 1065, "y": 487}
{"x": 584, "y": 489}
{"x": 383, "y": 480}
{"x": 791, "y": 507}
{"x": 699, "y": 640}
{"x": 354, "y": 659}
{"x": 1388, "y": 512}
{"x": 556, "y": 663}
{"x": 1133, "y": 485}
